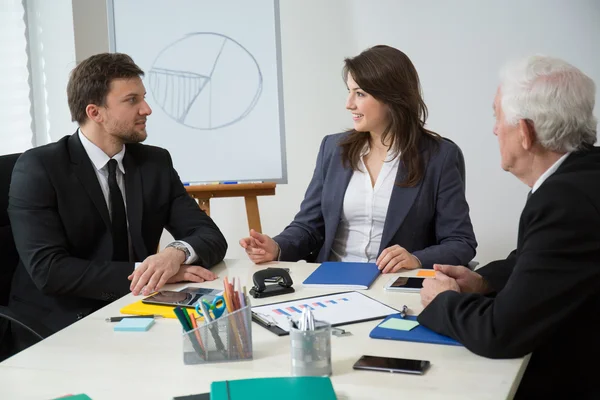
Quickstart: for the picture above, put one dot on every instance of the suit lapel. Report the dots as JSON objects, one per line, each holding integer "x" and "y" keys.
{"x": 401, "y": 202}
{"x": 84, "y": 170}
{"x": 133, "y": 192}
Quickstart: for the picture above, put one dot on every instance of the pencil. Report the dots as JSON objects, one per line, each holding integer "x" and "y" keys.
{"x": 232, "y": 321}
{"x": 197, "y": 333}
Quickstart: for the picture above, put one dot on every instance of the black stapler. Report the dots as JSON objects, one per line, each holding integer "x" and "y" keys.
{"x": 261, "y": 290}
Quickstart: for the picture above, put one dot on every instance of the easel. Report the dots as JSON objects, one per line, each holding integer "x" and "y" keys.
{"x": 203, "y": 194}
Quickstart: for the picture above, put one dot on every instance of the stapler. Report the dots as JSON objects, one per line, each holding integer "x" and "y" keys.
{"x": 261, "y": 290}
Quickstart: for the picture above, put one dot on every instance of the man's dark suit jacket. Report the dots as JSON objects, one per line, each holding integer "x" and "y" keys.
{"x": 547, "y": 297}
{"x": 62, "y": 228}
{"x": 430, "y": 220}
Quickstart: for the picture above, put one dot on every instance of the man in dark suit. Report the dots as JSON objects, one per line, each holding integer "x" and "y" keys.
{"x": 87, "y": 212}
{"x": 544, "y": 298}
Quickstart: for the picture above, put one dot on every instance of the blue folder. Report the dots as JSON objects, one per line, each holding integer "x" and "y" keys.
{"x": 351, "y": 275}
{"x": 417, "y": 334}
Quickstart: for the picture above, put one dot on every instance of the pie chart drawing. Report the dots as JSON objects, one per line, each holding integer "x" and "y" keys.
{"x": 205, "y": 81}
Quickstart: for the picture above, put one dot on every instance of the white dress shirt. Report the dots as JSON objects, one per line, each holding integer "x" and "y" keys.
{"x": 359, "y": 232}
{"x": 548, "y": 173}
{"x": 100, "y": 160}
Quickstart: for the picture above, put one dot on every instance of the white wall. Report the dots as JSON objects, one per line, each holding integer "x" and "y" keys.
{"x": 90, "y": 26}
{"x": 457, "y": 47}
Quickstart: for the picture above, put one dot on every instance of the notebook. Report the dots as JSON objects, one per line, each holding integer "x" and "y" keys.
{"x": 289, "y": 388}
{"x": 416, "y": 334}
{"x": 349, "y": 275}
{"x": 139, "y": 308}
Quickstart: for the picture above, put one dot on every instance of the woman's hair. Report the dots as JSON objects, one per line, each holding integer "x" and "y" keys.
{"x": 555, "y": 96}
{"x": 389, "y": 76}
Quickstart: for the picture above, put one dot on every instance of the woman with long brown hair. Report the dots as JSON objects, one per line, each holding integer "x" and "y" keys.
{"x": 388, "y": 191}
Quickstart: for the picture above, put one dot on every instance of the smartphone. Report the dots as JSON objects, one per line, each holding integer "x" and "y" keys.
{"x": 388, "y": 364}
{"x": 405, "y": 284}
{"x": 276, "y": 279}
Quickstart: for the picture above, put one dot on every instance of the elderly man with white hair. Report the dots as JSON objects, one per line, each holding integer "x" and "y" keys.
{"x": 544, "y": 298}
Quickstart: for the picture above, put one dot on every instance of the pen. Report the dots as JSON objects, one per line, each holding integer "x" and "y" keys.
{"x": 187, "y": 327}
{"x": 213, "y": 328}
{"x": 239, "y": 182}
{"x": 117, "y": 319}
{"x": 403, "y": 311}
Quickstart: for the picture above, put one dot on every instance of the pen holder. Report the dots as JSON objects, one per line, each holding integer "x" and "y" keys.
{"x": 311, "y": 351}
{"x": 227, "y": 338}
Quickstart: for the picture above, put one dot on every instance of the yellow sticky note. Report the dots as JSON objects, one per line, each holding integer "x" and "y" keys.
{"x": 426, "y": 273}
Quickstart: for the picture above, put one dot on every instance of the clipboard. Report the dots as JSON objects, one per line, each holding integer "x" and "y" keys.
{"x": 419, "y": 333}
{"x": 344, "y": 308}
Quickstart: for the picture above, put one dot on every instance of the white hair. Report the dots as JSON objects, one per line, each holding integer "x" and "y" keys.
{"x": 555, "y": 96}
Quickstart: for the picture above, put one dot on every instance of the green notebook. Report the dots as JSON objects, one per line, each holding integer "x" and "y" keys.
{"x": 295, "y": 388}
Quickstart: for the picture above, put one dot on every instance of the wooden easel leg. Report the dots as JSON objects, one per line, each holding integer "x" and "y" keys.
{"x": 252, "y": 213}
{"x": 204, "y": 205}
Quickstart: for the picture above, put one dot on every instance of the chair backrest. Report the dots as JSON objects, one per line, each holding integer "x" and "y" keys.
{"x": 9, "y": 257}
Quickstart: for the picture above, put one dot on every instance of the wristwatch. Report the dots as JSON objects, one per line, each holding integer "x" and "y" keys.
{"x": 181, "y": 246}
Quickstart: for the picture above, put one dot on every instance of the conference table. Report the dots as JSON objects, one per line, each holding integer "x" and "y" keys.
{"x": 89, "y": 357}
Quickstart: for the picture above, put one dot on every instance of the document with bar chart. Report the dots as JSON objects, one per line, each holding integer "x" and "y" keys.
{"x": 337, "y": 309}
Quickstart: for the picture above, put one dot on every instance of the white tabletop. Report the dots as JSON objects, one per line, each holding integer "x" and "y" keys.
{"x": 89, "y": 357}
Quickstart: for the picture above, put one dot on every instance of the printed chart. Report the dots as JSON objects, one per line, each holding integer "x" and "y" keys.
{"x": 336, "y": 309}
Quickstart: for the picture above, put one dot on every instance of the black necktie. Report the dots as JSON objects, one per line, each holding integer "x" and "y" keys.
{"x": 528, "y": 195}
{"x": 118, "y": 216}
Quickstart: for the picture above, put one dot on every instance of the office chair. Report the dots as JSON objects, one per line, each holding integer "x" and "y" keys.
{"x": 9, "y": 259}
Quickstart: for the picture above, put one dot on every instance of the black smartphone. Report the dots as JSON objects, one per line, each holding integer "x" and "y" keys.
{"x": 405, "y": 284}
{"x": 276, "y": 279}
{"x": 388, "y": 364}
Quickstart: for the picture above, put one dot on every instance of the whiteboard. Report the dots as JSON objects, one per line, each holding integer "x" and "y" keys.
{"x": 213, "y": 80}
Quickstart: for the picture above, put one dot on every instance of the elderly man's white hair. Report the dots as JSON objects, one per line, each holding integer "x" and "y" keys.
{"x": 555, "y": 96}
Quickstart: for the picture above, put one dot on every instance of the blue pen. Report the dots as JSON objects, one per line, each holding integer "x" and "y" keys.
{"x": 229, "y": 182}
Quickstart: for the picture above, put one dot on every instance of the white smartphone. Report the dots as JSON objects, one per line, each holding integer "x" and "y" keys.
{"x": 404, "y": 284}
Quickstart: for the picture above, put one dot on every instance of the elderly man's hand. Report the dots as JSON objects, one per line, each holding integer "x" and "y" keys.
{"x": 434, "y": 286}
{"x": 468, "y": 281}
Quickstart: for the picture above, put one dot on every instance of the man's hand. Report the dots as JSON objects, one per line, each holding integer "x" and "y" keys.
{"x": 395, "y": 258}
{"x": 260, "y": 248}
{"x": 155, "y": 271}
{"x": 192, "y": 273}
{"x": 434, "y": 286}
{"x": 468, "y": 281}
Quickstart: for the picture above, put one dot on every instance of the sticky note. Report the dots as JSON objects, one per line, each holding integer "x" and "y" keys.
{"x": 399, "y": 324}
{"x": 134, "y": 324}
{"x": 426, "y": 273}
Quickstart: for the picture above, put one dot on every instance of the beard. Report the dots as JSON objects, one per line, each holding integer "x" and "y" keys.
{"x": 128, "y": 134}
{"x": 133, "y": 136}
